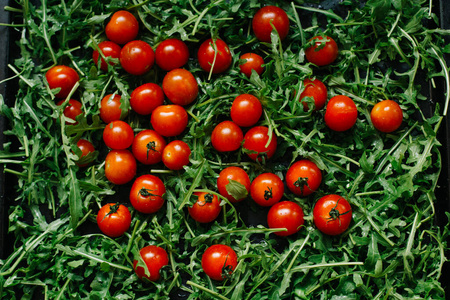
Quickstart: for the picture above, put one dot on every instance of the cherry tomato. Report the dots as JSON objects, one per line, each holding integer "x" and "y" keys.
{"x": 146, "y": 194}
{"x": 234, "y": 184}
{"x": 86, "y": 147}
{"x": 180, "y": 86}
{"x": 154, "y": 258}
{"x": 111, "y": 108}
{"x": 226, "y": 136}
{"x": 169, "y": 120}
{"x": 303, "y": 177}
{"x": 253, "y": 62}
{"x": 114, "y": 219}
{"x": 315, "y": 89}
{"x": 267, "y": 16}
{"x": 120, "y": 166}
{"x": 386, "y": 116}
{"x": 63, "y": 77}
{"x": 176, "y": 155}
{"x": 145, "y": 98}
{"x": 332, "y": 214}
{"x": 118, "y": 135}
{"x": 137, "y": 57}
{"x": 219, "y": 262}
{"x": 206, "y": 208}
{"x": 267, "y": 189}
{"x": 246, "y": 110}
{"x": 109, "y": 49}
{"x": 208, "y": 58}
{"x": 285, "y": 214}
{"x": 256, "y": 139}
{"x": 73, "y": 109}
{"x": 341, "y": 113}
{"x": 148, "y": 146}
{"x": 171, "y": 54}
{"x": 122, "y": 28}
{"x": 323, "y": 52}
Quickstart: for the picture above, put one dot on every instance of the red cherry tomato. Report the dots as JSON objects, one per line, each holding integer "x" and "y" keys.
{"x": 267, "y": 189}
{"x": 316, "y": 90}
{"x": 111, "y": 108}
{"x": 253, "y": 62}
{"x": 206, "y": 208}
{"x": 145, "y": 98}
{"x": 148, "y": 146}
{"x": 303, "y": 177}
{"x": 219, "y": 262}
{"x": 323, "y": 52}
{"x": 63, "y": 77}
{"x": 122, "y": 27}
{"x": 118, "y": 135}
{"x": 86, "y": 147}
{"x": 332, "y": 214}
{"x": 176, "y": 155}
{"x": 234, "y": 184}
{"x": 246, "y": 110}
{"x": 109, "y": 49}
{"x": 146, "y": 194}
{"x": 154, "y": 258}
{"x": 265, "y": 18}
{"x": 180, "y": 87}
{"x": 208, "y": 58}
{"x": 73, "y": 109}
{"x": 114, "y": 219}
{"x": 171, "y": 54}
{"x": 285, "y": 214}
{"x": 137, "y": 57}
{"x": 169, "y": 120}
{"x": 341, "y": 113}
{"x": 226, "y": 136}
{"x": 120, "y": 166}
{"x": 386, "y": 116}
{"x": 256, "y": 139}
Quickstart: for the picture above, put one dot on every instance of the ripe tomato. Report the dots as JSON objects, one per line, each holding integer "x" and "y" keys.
{"x": 267, "y": 16}
{"x": 111, "y": 108}
{"x": 323, "y": 52}
{"x": 86, "y": 147}
{"x": 386, "y": 116}
{"x": 169, "y": 120}
{"x": 122, "y": 27}
{"x": 180, "y": 86}
{"x": 341, "y": 113}
{"x": 176, "y": 155}
{"x": 137, "y": 57}
{"x": 171, "y": 54}
{"x": 145, "y": 98}
{"x": 206, "y": 208}
{"x": 207, "y": 56}
{"x": 109, "y": 49}
{"x": 226, "y": 136}
{"x": 234, "y": 184}
{"x": 332, "y": 214}
{"x": 285, "y": 214}
{"x": 120, "y": 166}
{"x": 267, "y": 189}
{"x": 303, "y": 177}
{"x": 253, "y": 62}
{"x": 63, "y": 77}
{"x": 114, "y": 219}
{"x": 315, "y": 89}
{"x": 219, "y": 262}
{"x": 246, "y": 110}
{"x": 154, "y": 258}
{"x": 146, "y": 194}
{"x": 148, "y": 146}
{"x": 256, "y": 139}
{"x": 118, "y": 135}
{"x": 72, "y": 110}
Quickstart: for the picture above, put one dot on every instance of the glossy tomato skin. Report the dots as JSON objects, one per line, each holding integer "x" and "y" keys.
{"x": 86, "y": 147}
{"x": 253, "y": 62}
{"x": 206, "y": 208}
{"x": 176, "y": 155}
{"x": 303, "y": 177}
{"x": 180, "y": 87}
{"x": 246, "y": 110}
{"x": 206, "y": 55}
{"x": 171, "y": 54}
{"x": 267, "y": 189}
{"x": 146, "y": 194}
{"x": 109, "y": 49}
{"x": 322, "y": 55}
{"x": 114, "y": 219}
{"x": 110, "y": 108}
{"x": 266, "y": 16}
{"x": 227, "y": 136}
{"x": 169, "y": 120}
{"x": 63, "y": 77}
{"x": 122, "y": 28}
{"x": 315, "y": 89}
{"x": 118, "y": 135}
{"x": 341, "y": 113}
{"x": 332, "y": 214}
{"x": 219, "y": 261}
{"x": 120, "y": 166}
{"x": 256, "y": 139}
{"x": 386, "y": 116}
{"x": 148, "y": 146}
{"x": 145, "y": 98}
{"x": 154, "y": 258}
{"x": 285, "y": 214}
{"x": 137, "y": 57}
{"x": 230, "y": 176}
{"x": 73, "y": 109}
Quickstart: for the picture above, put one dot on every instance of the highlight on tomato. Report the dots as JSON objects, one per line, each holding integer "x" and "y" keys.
{"x": 147, "y": 194}
{"x": 109, "y": 50}
{"x": 73, "y": 109}
{"x": 113, "y": 219}
{"x": 120, "y": 166}
{"x": 386, "y": 116}
{"x": 246, "y": 110}
{"x": 332, "y": 214}
{"x": 176, "y": 155}
{"x": 219, "y": 262}
{"x": 112, "y": 108}
{"x": 214, "y": 54}
{"x": 180, "y": 87}
{"x": 285, "y": 215}
{"x": 118, "y": 135}
{"x": 137, "y": 57}
{"x": 259, "y": 144}
{"x": 226, "y": 136}
{"x": 269, "y": 16}
{"x": 86, "y": 148}
{"x": 62, "y": 77}
{"x": 303, "y": 177}
{"x": 251, "y": 61}
{"x": 206, "y": 208}
{"x": 171, "y": 54}
{"x": 324, "y": 51}
{"x": 122, "y": 28}
{"x": 150, "y": 261}
{"x": 341, "y": 113}
{"x": 234, "y": 184}
{"x": 169, "y": 120}
{"x": 315, "y": 89}
{"x": 267, "y": 189}
{"x": 145, "y": 98}
{"x": 148, "y": 146}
